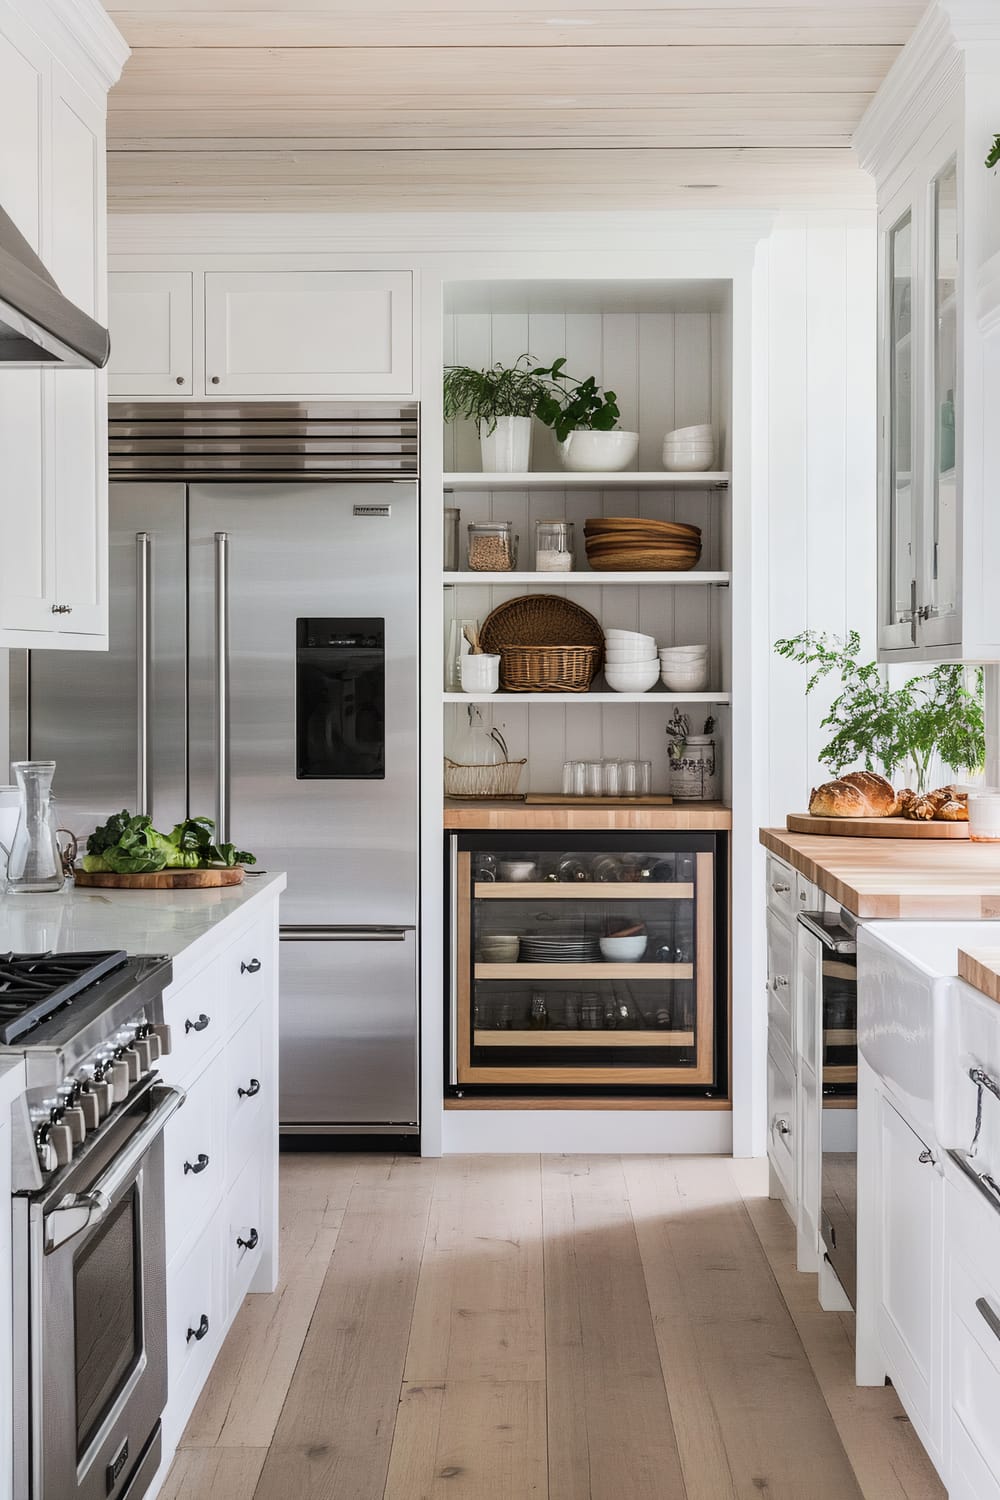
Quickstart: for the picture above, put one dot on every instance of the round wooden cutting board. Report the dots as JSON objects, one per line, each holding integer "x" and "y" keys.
{"x": 162, "y": 880}
{"x": 875, "y": 828}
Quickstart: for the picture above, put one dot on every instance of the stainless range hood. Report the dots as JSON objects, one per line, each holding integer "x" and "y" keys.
{"x": 39, "y": 327}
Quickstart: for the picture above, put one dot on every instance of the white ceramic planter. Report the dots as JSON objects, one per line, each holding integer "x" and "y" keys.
{"x": 480, "y": 673}
{"x": 507, "y": 449}
{"x": 585, "y": 451}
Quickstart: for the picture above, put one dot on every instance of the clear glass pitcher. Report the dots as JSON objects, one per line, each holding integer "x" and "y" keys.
{"x": 35, "y": 861}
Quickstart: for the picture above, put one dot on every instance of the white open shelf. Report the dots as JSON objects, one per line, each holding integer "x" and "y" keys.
{"x": 657, "y": 694}
{"x": 564, "y": 479}
{"x": 554, "y": 580}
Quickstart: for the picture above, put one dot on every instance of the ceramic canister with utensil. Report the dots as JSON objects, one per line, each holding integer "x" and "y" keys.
{"x": 480, "y": 670}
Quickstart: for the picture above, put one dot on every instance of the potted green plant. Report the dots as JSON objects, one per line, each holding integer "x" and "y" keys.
{"x": 940, "y": 713}
{"x": 584, "y": 420}
{"x": 500, "y": 400}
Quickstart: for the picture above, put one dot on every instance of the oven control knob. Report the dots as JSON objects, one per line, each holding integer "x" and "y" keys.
{"x": 130, "y": 1058}
{"x": 45, "y": 1148}
{"x": 161, "y": 1032}
{"x": 61, "y": 1140}
{"x": 143, "y": 1050}
{"x": 72, "y": 1115}
{"x": 90, "y": 1104}
{"x": 103, "y": 1088}
{"x": 117, "y": 1075}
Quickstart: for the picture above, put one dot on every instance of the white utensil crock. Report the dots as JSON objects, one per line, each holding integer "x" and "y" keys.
{"x": 507, "y": 449}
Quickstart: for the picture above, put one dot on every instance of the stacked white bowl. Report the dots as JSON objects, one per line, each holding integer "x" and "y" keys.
{"x": 684, "y": 669}
{"x": 689, "y": 448}
{"x": 630, "y": 661}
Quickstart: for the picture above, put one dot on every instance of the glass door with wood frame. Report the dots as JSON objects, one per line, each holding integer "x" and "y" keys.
{"x": 587, "y": 963}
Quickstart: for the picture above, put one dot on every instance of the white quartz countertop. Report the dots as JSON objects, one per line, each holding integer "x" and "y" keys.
{"x": 184, "y": 925}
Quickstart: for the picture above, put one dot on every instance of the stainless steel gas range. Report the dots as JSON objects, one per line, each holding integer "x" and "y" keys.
{"x": 90, "y": 1371}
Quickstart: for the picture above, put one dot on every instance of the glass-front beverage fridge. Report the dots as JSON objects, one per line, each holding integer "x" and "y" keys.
{"x": 587, "y": 964}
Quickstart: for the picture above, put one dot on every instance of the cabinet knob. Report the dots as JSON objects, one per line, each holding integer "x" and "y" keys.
{"x": 779, "y": 889}
{"x": 782, "y": 1127}
{"x": 251, "y": 1091}
{"x": 926, "y": 1157}
{"x": 196, "y": 1167}
{"x": 180, "y": 380}
{"x": 199, "y": 1332}
{"x": 198, "y": 1025}
{"x": 215, "y": 380}
{"x": 250, "y": 1243}
{"x": 253, "y": 967}
{"x": 780, "y": 982}
{"x": 62, "y": 609}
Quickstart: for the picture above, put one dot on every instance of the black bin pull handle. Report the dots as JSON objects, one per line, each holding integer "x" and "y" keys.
{"x": 198, "y": 1333}
{"x": 195, "y": 1167}
{"x": 198, "y": 1025}
{"x": 251, "y": 1090}
{"x": 253, "y": 967}
{"x": 250, "y": 1243}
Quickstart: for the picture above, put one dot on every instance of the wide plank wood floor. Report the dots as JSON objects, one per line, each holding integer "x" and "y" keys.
{"x": 540, "y": 1328}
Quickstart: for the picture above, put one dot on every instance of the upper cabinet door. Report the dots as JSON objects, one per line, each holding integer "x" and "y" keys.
{"x": 900, "y": 478}
{"x": 308, "y": 333}
{"x": 152, "y": 335}
{"x": 939, "y": 622}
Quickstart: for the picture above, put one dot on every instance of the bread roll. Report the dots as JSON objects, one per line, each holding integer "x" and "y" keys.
{"x": 922, "y": 810}
{"x": 953, "y": 811}
{"x": 905, "y": 800}
{"x": 838, "y": 799}
{"x": 879, "y": 792}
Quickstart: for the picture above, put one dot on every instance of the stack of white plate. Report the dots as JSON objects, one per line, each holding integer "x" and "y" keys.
{"x": 560, "y": 948}
{"x": 684, "y": 669}
{"x": 689, "y": 448}
{"x": 630, "y": 662}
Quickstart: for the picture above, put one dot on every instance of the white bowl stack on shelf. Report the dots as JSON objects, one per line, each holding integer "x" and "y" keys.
{"x": 689, "y": 449}
{"x": 684, "y": 669}
{"x": 630, "y": 661}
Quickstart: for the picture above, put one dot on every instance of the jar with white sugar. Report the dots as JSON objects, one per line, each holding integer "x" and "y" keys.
{"x": 553, "y": 546}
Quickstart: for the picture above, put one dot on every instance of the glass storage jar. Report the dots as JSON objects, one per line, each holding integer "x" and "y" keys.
{"x": 492, "y": 547}
{"x": 452, "y": 521}
{"x": 553, "y": 546}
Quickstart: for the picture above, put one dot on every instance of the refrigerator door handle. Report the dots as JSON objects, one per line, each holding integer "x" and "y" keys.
{"x": 306, "y": 934}
{"x": 143, "y": 668}
{"x": 222, "y": 686}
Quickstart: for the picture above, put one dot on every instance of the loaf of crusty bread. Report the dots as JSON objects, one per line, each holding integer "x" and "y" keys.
{"x": 922, "y": 810}
{"x": 879, "y": 792}
{"x": 839, "y": 799}
{"x": 953, "y": 811}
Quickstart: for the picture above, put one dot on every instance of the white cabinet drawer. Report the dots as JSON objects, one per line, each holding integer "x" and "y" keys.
{"x": 250, "y": 970}
{"x": 781, "y": 1132}
{"x": 195, "y": 1313}
{"x": 197, "y": 1016}
{"x": 245, "y": 1234}
{"x": 780, "y": 972}
{"x": 780, "y": 888}
{"x": 975, "y": 1379}
{"x": 194, "y": 1162}
{"x": 250, "y": 1085}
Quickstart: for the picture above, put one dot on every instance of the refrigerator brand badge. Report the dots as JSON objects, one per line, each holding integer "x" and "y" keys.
{"x": 373, "y": 510}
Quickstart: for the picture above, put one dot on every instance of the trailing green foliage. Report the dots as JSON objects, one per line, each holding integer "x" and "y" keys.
{"x": 993, "y": 157}
{"x": 485, "y": 395}
{"x": 567, "y": 403}
{"x": 877, "y": 725}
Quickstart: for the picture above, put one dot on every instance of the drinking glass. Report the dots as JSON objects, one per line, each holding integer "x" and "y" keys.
{"x": 612, "y": 778}
{"x": 594, "y": 778}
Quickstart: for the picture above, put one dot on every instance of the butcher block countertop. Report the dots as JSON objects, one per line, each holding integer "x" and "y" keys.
{"x": 980, "y": 967}
{"x": 897, "y": 878}
{"x": 503, "y": 817}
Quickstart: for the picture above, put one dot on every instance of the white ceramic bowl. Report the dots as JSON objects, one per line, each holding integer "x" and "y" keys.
{"x": 687, "y": 464}
{"x": 609, "y": 452}
{"x": 638, "y": 679}
{"x": 680, "y": 653}
{"x": 685, "y": 682}
{"x": 517, "y": 869}
{"x": 624, "y": 950}
{"x": 700, "y": 433}
{"x": 626, "y": 654}
{"x": 629, "y": 638}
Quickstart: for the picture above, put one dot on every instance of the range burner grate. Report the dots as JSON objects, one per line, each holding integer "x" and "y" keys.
{"x": 33, "y": 985}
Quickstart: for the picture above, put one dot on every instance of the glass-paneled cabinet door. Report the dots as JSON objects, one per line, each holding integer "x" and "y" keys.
{"x": 938, "y": 621}
{"x": 898, "y": 509}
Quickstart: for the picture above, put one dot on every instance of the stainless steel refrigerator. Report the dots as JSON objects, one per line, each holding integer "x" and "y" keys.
{"x": 263, "y": 670}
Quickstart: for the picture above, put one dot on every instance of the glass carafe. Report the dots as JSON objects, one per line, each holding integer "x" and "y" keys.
{"x": 35, "y": 861}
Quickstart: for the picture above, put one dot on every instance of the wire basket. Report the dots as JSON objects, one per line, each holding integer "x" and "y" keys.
{"x": 548, "y": 669}
{"x": 470, "y": 782}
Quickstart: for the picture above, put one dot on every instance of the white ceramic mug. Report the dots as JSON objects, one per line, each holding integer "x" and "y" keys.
{"x": 480, "y": 673}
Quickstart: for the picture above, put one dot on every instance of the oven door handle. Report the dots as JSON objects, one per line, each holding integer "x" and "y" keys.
{"x": 79, "y": 1211}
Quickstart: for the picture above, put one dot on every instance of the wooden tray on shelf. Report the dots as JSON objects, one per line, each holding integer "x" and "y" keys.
{"x": 161, "y": 880}
{"x": 560, "y": 799}
{"x": 875, "y": 828}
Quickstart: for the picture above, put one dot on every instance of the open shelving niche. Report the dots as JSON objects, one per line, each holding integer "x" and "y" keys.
{"x": 664, "y": 347}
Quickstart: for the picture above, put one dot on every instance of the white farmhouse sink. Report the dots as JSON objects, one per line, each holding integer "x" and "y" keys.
{"x": 907, "y": 1014}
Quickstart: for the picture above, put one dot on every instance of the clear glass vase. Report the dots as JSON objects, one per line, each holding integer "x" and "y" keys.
{"x": 35, "y": 860}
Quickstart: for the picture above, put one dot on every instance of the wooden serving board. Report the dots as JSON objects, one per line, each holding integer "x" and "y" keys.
{"x": 162, "y": 880}
{"x": 875, "y": 828}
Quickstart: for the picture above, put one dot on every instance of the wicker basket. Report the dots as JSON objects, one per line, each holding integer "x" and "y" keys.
{"x": 540, "y": 620}
{"x": 548, "y": 669}
{"x": 470, "y": 782}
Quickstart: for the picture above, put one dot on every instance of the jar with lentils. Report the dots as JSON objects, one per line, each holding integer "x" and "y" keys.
{"x": 492, "y": 547}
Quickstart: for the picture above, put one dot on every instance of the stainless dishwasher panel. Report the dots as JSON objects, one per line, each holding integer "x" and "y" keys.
{"x": 349, "y": 1030}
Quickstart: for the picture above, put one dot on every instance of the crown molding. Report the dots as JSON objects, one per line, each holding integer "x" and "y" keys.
{"x": 81, "y": 34}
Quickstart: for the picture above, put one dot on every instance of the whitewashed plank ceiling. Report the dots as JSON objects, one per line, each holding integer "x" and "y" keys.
{"x": 452, "y": 104}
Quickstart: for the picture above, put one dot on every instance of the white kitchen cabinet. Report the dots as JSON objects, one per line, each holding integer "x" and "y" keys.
{"x": 56, "y": 66}
{"x": 973, "y": 1309}
{"x": 308, "y": 333}
{"x": 782, "y": 1135}
{"x": 152, "y": 333}
{"x": 924, "y": 139}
